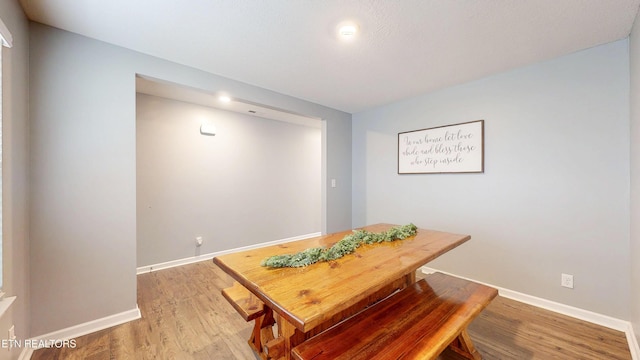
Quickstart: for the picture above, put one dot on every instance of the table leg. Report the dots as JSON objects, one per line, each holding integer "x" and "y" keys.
{"x": 289, "y": 335}
{"x": 410, "y": 278}
{"x": 262, "y": 333}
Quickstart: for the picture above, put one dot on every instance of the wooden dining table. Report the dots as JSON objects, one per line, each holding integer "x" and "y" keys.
{"x": 307, "y": 300}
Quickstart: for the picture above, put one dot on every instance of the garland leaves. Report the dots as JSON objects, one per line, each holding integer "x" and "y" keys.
{"x": 346, "y": 246}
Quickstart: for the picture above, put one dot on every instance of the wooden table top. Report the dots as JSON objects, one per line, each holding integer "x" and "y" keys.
{"x": 310, "y": 295}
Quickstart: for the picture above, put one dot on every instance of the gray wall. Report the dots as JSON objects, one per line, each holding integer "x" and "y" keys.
{"x": 634, "y": 55}
{"x": 83, "y": 168}
{"x": 337, "y": 162}
{"x": 15, "y": 182}
{"x": 554, "y": 197}
{"x": 257, "y": 180}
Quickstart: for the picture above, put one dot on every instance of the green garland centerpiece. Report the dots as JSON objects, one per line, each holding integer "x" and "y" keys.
{"x": 346, "y": 246}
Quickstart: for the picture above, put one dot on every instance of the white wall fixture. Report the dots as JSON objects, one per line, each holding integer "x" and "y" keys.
{"x": 207, "y": 128}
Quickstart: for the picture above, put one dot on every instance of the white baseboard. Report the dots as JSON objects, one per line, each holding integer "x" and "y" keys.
{"x": 5, "y": 303}
{"x": 633, "y": 342}
{"x": 169, "y": 264}
{"x": 82, "y": 329}
{"x": 581, "y": 314}
{"x": 26, "y": 353}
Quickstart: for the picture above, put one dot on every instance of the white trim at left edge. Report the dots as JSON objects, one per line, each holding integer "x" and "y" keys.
{"x": 83, "y": 329}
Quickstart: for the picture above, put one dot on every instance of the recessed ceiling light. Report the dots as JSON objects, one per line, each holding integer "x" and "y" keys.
{"x": 224, "y": 98}
{"x": 348, "y": 31}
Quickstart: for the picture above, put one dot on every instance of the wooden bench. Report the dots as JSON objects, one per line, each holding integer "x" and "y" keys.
{"x": 418, "y": 322}
{"x": 252, "y": 308}
{"x": 245, "y": 303}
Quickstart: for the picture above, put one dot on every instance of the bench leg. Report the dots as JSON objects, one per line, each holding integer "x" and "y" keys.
{"x": 463, "y": 346}
{"x": 262, "y": 332}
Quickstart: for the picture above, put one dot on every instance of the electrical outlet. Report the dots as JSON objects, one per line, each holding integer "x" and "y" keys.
{"x": 198, "y": 240}
{"x": 567, "y": 281}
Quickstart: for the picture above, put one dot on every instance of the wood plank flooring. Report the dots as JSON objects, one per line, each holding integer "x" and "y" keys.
{"x": 184, "y": 316}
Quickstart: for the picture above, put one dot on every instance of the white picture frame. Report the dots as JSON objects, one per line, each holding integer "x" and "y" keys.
{"x": 457, "y": 148}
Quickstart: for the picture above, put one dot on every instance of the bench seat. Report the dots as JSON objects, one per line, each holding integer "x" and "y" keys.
{"x": 418, "y": 322}
{"x": 252, "y": 308}
{"x": 245, "y": 303}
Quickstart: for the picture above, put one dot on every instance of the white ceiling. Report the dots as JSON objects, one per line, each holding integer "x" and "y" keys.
{"x": 405, "y": 48}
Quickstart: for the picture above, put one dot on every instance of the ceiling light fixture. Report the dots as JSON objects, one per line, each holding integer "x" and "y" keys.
{"x": 348, "y": 31}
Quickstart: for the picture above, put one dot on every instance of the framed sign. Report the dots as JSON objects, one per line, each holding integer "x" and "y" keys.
{"x": 457, "y": 148}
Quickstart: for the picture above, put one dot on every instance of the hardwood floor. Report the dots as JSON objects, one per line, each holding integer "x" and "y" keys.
{"x": 184, "y": 316}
